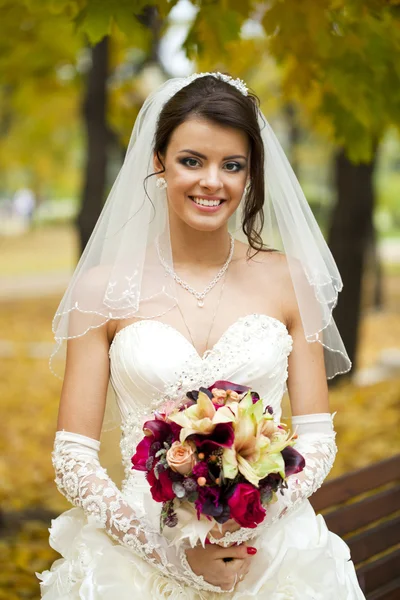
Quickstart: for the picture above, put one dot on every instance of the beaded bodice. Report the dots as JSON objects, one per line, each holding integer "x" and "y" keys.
{"x": 152, "y": 364}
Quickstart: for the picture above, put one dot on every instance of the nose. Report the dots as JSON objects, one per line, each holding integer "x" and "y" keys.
{"x": 211, "y": 179}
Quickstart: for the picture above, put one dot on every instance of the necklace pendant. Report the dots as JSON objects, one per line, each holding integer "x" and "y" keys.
{"x": 200, "y": 303}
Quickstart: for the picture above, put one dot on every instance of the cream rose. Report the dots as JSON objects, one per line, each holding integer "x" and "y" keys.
{"x": 181, "y": 457}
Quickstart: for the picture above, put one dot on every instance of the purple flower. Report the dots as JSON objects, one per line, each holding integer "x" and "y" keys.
{"x": 200, "y": 469}
{"x": 225, "y": 515}
{"x": 294, "y": 461}
{"x": 194, "y": 394}
{"x": 155, "y": 447}
{"x": 175, "y": 431}
{"x": 222, "y": 437}
{"x": 190, "y": 485}
{"x": 229, "y": 385}
{"x": 207, "y": 502}
{"x": 273, "y": 481}
{"x": 157, "y": 429}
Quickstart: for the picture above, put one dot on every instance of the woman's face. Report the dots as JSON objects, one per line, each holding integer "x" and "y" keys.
{"x": 206, "y": 169}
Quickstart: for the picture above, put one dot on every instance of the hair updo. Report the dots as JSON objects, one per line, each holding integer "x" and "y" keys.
{"x": 220, "y": 102}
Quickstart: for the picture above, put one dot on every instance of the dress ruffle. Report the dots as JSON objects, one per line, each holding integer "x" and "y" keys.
{"x": 298, "y": 558}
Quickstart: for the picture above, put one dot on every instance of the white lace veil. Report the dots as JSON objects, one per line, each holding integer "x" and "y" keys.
{"x": 119, "y": 275}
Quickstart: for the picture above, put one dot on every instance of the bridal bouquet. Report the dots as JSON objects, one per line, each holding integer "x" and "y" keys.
{"x": 218, "y": 456}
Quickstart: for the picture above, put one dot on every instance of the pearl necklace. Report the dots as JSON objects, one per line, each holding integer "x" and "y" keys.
{"x": 198, "y": 295}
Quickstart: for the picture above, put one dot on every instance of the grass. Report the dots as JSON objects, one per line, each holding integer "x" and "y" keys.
{"x": 40, "y": 250}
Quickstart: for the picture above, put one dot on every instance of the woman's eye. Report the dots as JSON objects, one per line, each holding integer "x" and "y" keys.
{"x": 190, "y": 162}
{"x": 233, "y": 166}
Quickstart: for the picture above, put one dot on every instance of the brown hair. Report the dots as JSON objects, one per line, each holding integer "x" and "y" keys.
{"x": 218, "y": 101}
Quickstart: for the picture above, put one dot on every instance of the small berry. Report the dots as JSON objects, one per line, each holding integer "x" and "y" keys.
{"x": 201, "y": 481}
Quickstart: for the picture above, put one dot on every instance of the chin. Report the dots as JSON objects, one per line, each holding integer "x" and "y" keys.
{"x": 207, "y": 227}
{"x": 207, "y": 223}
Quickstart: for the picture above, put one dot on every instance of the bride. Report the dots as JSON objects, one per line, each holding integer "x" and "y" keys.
{"x": 165, "y": 300}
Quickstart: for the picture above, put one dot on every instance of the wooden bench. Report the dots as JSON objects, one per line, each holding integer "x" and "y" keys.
{"x": 363, "y": 507}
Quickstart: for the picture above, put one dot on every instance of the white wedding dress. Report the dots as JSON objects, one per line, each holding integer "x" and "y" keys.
{"x": 151, "y": 363}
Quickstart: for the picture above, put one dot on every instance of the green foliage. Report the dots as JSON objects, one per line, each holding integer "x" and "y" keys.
{"x": 213, "y": 28}
{"x": 341, "y": 61}
{"x": 39, "y": 94}
{"x": 96, "y": 19}
{"x": 338, "y": 59}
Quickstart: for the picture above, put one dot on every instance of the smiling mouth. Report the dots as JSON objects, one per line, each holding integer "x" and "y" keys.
{"x": 204, "y": 202}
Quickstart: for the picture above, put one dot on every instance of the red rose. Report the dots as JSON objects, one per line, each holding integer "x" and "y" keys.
{"x": 161, "y": 488}
{"x": 245, "y": 505}
{"x": 142, "y": 453}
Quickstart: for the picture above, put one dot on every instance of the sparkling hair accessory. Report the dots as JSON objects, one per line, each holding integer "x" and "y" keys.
{"x": 239, "y": 84}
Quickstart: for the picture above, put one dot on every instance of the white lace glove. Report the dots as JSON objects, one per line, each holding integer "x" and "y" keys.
{"x": 316, "y": 442}
{"x": 82, "y": 480}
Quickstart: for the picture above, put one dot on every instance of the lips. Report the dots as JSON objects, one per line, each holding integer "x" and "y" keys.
{"x": 206, "y": 202}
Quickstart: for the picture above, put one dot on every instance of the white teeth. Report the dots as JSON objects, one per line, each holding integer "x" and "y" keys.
{"x": 204, "y": 202}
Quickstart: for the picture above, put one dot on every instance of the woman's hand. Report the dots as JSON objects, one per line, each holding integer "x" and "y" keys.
{"x": 222, "y": 567}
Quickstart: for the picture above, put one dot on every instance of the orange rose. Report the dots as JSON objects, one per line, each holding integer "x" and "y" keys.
{"x": 181, "y": 457}
{"x": 218, "y": 393}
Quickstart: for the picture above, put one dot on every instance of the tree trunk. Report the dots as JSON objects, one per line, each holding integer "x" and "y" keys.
{"x": 348, "y": 240}
{"x": 94, "y": 113}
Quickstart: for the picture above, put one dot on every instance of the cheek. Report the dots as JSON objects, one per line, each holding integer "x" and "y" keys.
{"x": 235, "y": 186}
{"x": 181, "y": 179}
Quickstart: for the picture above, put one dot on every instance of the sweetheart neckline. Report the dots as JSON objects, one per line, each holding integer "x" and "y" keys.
{"x": 208, "y": 352}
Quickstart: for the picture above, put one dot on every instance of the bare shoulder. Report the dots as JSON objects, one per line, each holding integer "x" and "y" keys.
{"x": 272, "y": 265}
{"x": 268, "y": 271}
{"x": 273, "y": 259}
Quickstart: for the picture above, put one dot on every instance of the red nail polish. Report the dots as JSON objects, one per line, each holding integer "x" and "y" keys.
{"x": 251, "y": 550}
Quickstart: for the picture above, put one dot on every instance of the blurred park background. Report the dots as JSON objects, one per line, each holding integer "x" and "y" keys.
{"x": 73, "y": 75}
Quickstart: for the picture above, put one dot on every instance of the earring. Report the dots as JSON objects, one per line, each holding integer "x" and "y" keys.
{"x": 161, "y": 183}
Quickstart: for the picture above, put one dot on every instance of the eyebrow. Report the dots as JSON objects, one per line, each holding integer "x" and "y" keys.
{"x": 203, "y": 156}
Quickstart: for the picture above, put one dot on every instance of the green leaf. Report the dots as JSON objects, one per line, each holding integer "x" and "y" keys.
{"x": 95, "y": 20}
